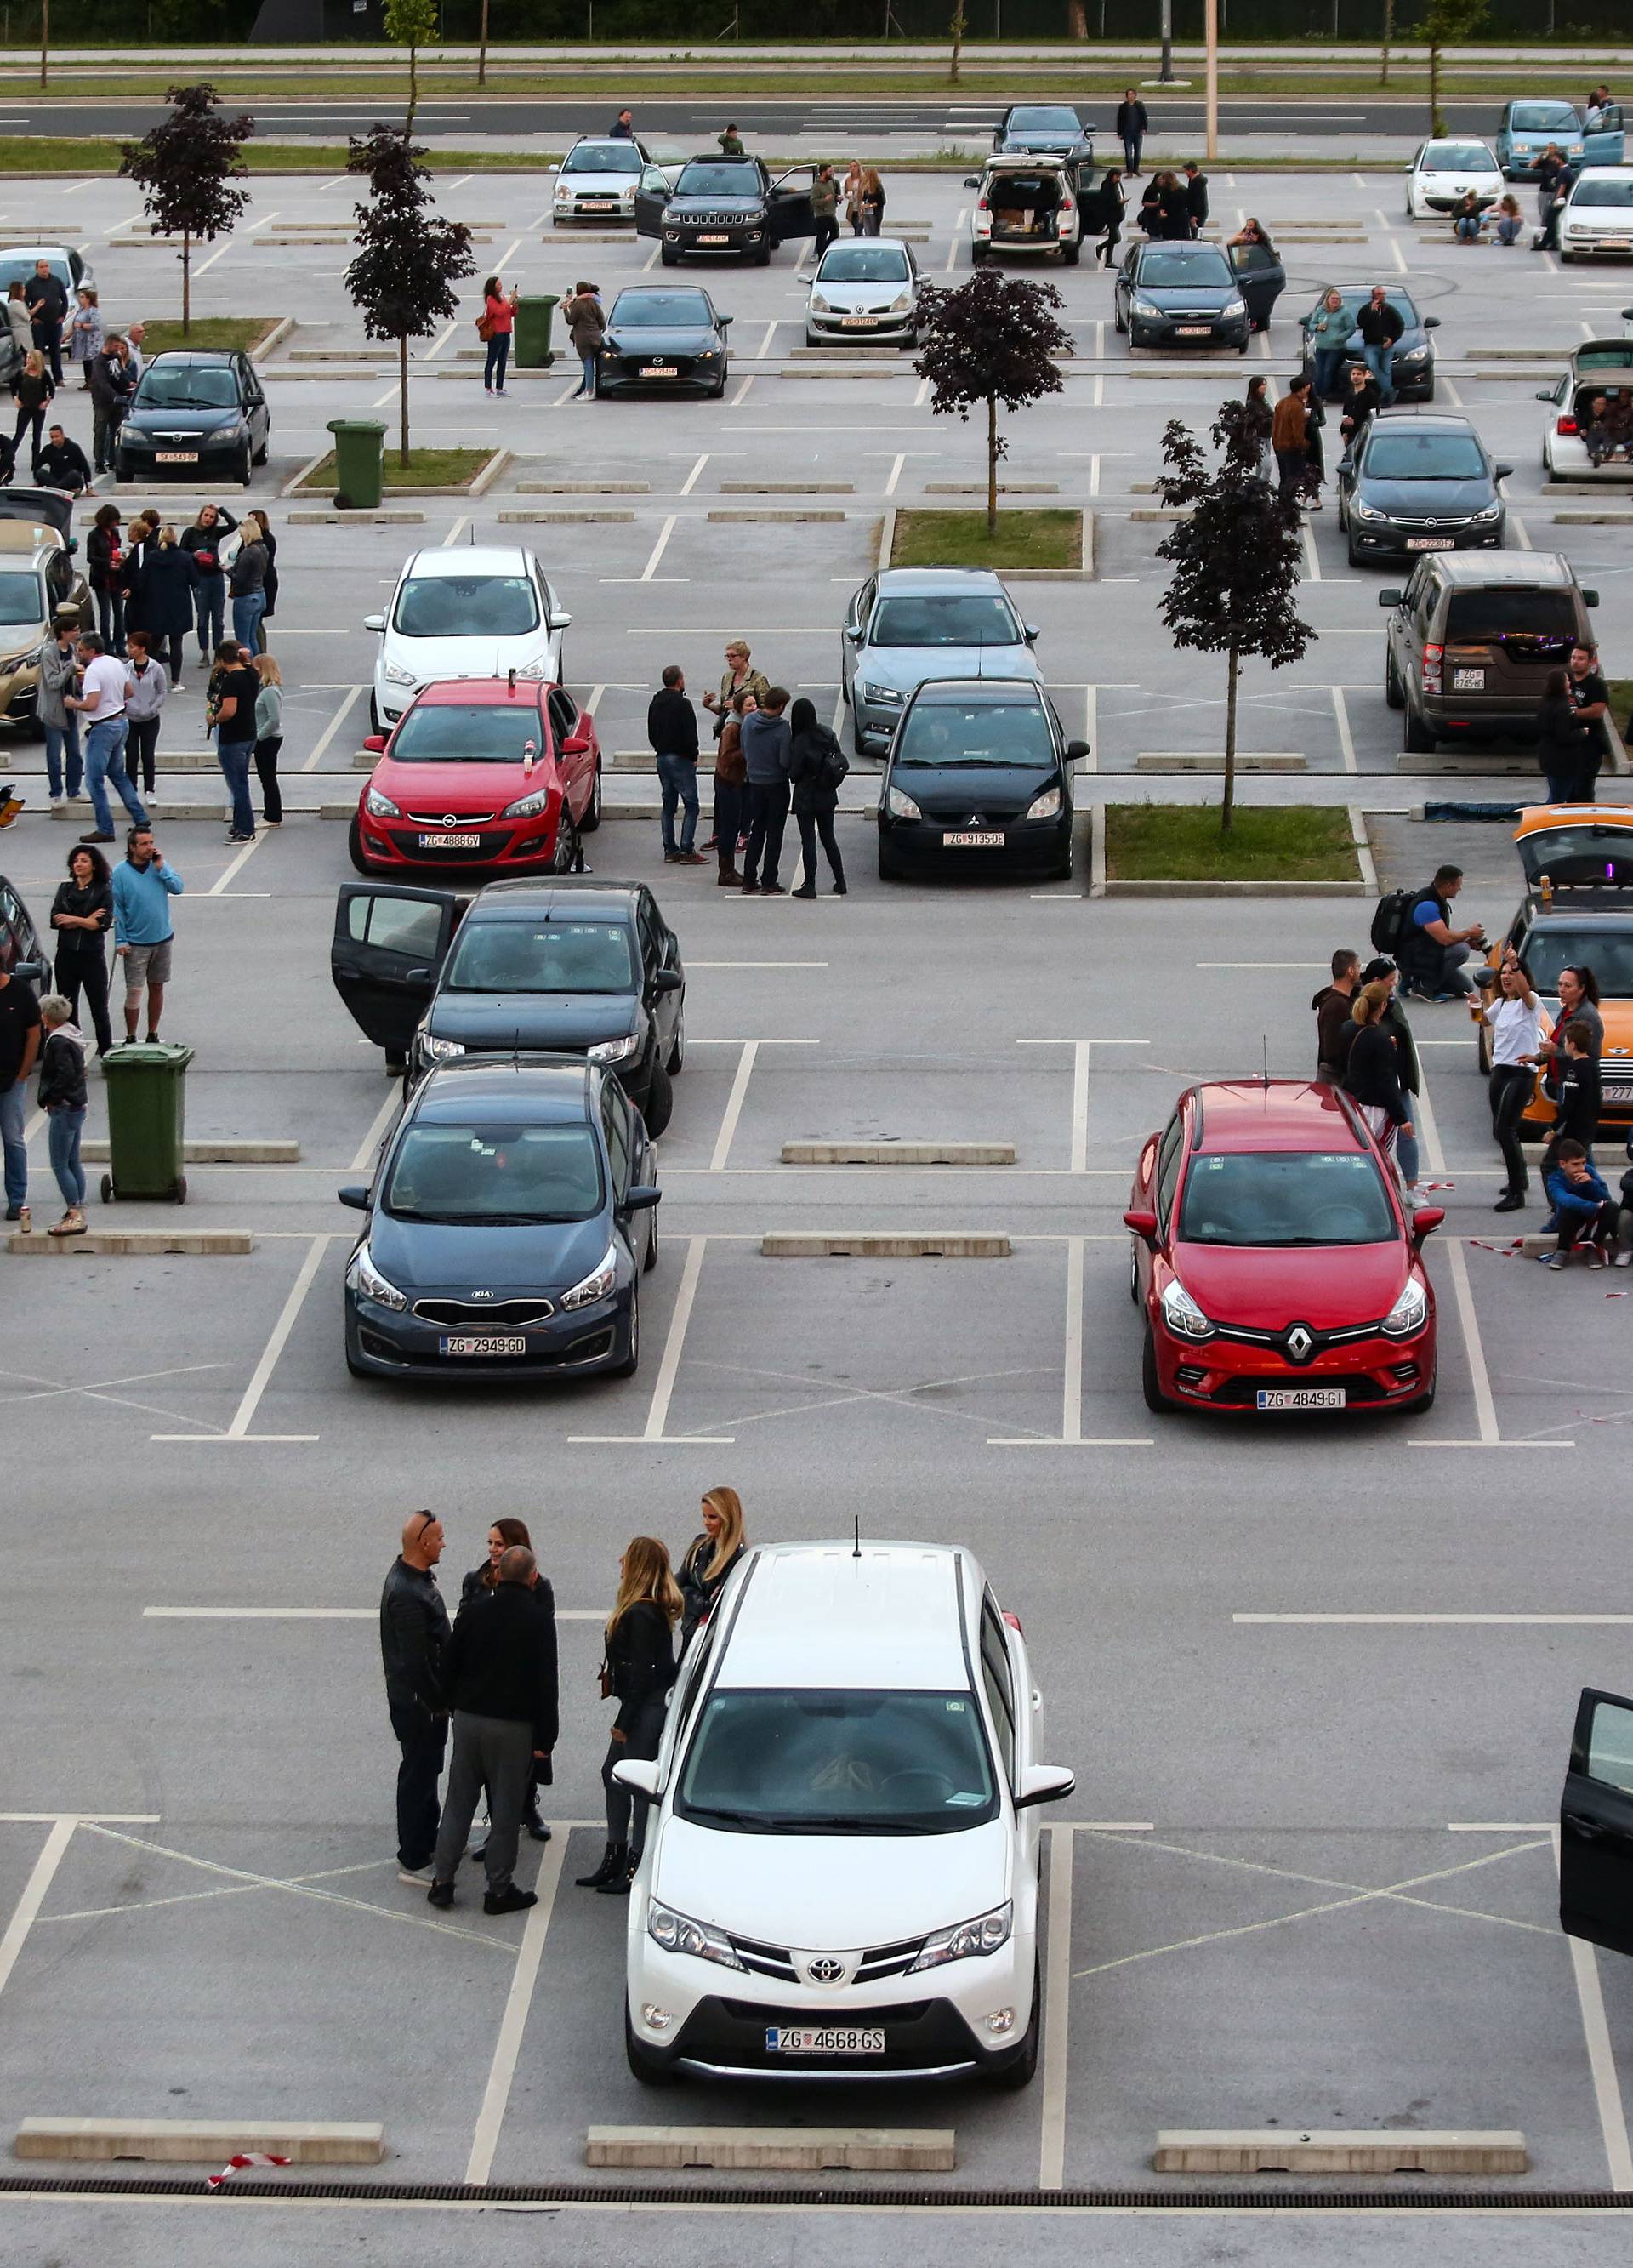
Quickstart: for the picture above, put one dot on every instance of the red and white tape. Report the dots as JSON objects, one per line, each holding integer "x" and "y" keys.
{"x": 242, "y": 2158}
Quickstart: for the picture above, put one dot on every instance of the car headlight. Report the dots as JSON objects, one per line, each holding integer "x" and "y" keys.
{"x": 1415, "y": 354}
{"x": 1181, "y": 1312}
{"x": 986, "y": 1934}
{"x": 539, "y": 668}
{"x": 820, "y": 304}
{"x": 899, "y": 304}
{"x": 899, "y": 805}
{"x": 23, "y": 661}
{"x": 1366, "y": 511}
{"x": 1046, "y": 806}
{"x": 527, "y": 807}
{"x": 380, "y": 806}
{"x": 1407, "y": 1314}
{"x": 1144, "y": 307}
{"x": 885, "y": 696}
{"x": 615, "y": 1051}
{"x": 396, "y": 674}
{"x": 597, "y": 1284}
{"x": 1234, "y": 307}
{"x": 1491, "y": 511}
{"x": 679, "y": 1933}
{"x": 436, "y": 1050}
{"x": 365, "y": 1278}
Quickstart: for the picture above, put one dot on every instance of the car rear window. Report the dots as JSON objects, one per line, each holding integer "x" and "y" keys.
{"x": 1529, "y": 625}
{"x": 1589, "y": 853}
{"x": 806, "y": 1761}
{"x": 1285, "y": 1196}
{"x": 541, "y": 956}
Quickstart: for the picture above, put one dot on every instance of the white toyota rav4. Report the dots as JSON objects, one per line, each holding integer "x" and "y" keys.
{"x": 840, "y": 1877}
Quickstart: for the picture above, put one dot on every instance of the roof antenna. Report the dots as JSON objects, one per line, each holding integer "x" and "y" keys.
{"x": 1264, "y": 1043}
{"x": 855, "y": 1517}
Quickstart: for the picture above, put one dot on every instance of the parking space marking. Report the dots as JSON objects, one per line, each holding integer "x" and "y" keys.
{"x": 316, "y": 1615}
{"x": 1056, "y": 2009}
{"x": 369, "y": 1147}
{"x": 662, "y": 1392}
{"x": 330, "y": 731}
{"x": 238, "y": 1429}
{"x": 1485, "y": 1408}
{"x": 507, "y": 2047}
{"x": 1600, "y": 2055}
{"x": 734, "y": 1106}
{"x": 199, "y": 1897}
{"x": 690, "y": 482}
{"x": 650, "y": 568}
{"x": 1499, "y": 1620}
{"x": 1072, "y": 1435}
{"x": 1346, "y": 744}
{"x": 27, "y": 1910}
{"x": 45, "y": 1388}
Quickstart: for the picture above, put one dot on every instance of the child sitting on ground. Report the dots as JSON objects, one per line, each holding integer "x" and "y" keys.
{"x": 1586, "y": 1213}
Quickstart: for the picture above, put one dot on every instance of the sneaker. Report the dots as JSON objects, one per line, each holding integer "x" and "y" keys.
{"x": 692, "y": 859}
{"x": 73, "y": 1224}
{"x": 1511, "y": 1200}
{"x": 1556, "y": 1261}
{"x": 671, "y": 858}
{"x": 96, "y": 838}
{"x": 1622, "y": 1260}
{"x": 509, "y": 1900}
{"x": 58, "y": 801}
{"x": 803, "y": 894}
{"x": 1597, "y": 1256}
{"x": 418, "y": 1878}
{"x": 440, "y": 1894}
{"x": 772, "y": 890}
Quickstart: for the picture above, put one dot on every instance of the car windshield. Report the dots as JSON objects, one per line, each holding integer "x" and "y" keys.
{"x": 653, "y": 309}
{"x": 603, "y": 157}
{"x": 1355, "y": 299}
{"x": 972, "y": 620}
{"x": 811, "y": 1763}
{"x": 496, "y": 1175}
{"x": 1543, "y": 118}
{"x": 863, "y": 263}
{"x": 704, "y": 178}
{"x": 1457, "y": 158}
{"x": 1203, "y": 269}
{"x": 1045, "y": 119}
{"x": 187, "y": 385}
{"x": 541, "y": 956}
{"x": 1393, "y": 456}
{"x": 1608, "y": 952}
{"x": 21, "y": 601}
{"x": 939, "y": 734}
{"x": 19, "y": 266}
{"x": 1529, "y": 625}
{"x": 1285, "y": 1196}
{"x": 466, "y": 606}
{"x": 1604, "y": 191}
{"x": 448, "y": 734}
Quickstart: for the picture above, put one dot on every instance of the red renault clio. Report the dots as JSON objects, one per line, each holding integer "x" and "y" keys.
{"x": 1276, "y": 1263}
{"x": 496, "y": 772}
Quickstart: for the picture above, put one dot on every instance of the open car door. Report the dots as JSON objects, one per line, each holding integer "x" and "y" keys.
{"x": 390, "y": 941}
{"x": 790, "y": 208}
{"x": 1261, "y": 279}
{"x": 1607, "y": 145}
{"x": 652, "y": 195}
{"x": 1596, "y": 1824}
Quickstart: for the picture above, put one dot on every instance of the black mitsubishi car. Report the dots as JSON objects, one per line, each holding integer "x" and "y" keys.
{"x": 724, "y": 205}
{"x": 979, "y": 780}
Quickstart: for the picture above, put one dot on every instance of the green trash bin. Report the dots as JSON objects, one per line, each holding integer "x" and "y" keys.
{"x": 359, "y": 462}
{"x": 532, "y": 342}
{"x": 146, "y": 1088}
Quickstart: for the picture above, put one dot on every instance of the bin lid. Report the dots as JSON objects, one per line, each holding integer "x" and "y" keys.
{"x": 355, "y": 425}
{"x": 146, "y": 1055}
{"x": 539, "y": 299}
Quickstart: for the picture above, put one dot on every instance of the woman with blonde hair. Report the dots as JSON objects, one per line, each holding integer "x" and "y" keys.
{"x": 850, "y": 196}
{"x": 709, "y": 1558}
{"x": 637, "y": 1671}
{"x": 871, "y": 201}
{"x": 269, "y": 740}
{"x": 32, "y": 389}
{"x": 1372, "y": 1076}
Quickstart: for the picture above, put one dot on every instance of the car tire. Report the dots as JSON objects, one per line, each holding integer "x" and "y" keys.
{"x": 1425, "y": 1401}
{"x": 1072, "y": 253}
{"x": 565, "y": 856}
{"x": 1151, "y": 1384}
{"x": 659, "y": 1103}
{"x": 674, "y": 1061}
{"x": 592, "y": 818}
{"x": 856, "y": 730}
{"x": 629, "y": 1361}
{"x": 1134, "y": 1274}
{"x": 1355, "y": 558}
{"x": 1020, "y": 2074}
{"x": 1394, "y": 692}
{"x": 246, "y": 471}
{"x": 668, "y": 256}
{"x": 375, "y": 725}
{"x": 649, "y": 1259}
{"x": 354, "y": 847}
{"x": 1343, "y": 514}
{"x": 763, "y": 256}
{"x": 1420, "y": 741}
{"x": 259, "y": 457}
{"x": 889, "y": 866}
{"x": 651, "y": 2070}
{"x": 978, "y": 253}
{"x": 1428, "y": 394}
{"x": 1117, "y": 323}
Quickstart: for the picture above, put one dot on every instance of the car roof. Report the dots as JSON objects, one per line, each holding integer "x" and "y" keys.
{"x": 525, "y": 898}
{"x": 1282, "y": 1113}
{"x": 544, "y": 1093}
{"x": 937, "y": 582}
{"x": 479, "y": 558}
{"x": 1549, "y": 817}
{"x": 1598, "y": 347}
{"x": 1473, "y": 569}
{"x": 1195, "y": 250}
{"x": 200, "y": 358}
{"x": 605, "y": 141}
{"x": 980, "y": 692}
{"x": 37, "y": 250}
{"x": 819, "y": 1614}
{"x": 1593, "y": 905}
{"x": 1427, "y": 420}
{"x": 1605, "y": 173}
{"x": 483, "y": 692}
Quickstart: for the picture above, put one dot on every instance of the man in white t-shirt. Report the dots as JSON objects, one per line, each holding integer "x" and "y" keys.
{"x": 100, "y": 702}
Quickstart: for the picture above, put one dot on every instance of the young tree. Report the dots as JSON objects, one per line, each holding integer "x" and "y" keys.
{"x": 1236, "y": 561}
{"x": 1445, "y": 23}
{"x": 1383, "y": 75}
{"x": 185, "y": 167}
{"x": 991, "y": 340}
{"x": 410, "y": 23}
{"x": 957, "y": 28}
{"x": 408, "y": 258}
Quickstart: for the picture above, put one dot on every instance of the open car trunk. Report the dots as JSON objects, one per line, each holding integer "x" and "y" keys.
{"x": 1025, "y": 207}
{"x": 1609, "y": 431}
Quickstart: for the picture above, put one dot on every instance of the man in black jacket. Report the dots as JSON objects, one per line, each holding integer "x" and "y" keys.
{"x": 1195, "y": 195}
{"x": 500, "y": 1670}
{"x": 1379, "y": 323}
{"x": 672, "y": 729}
{"x": 414, "y": 1633}
{"x": 46, "y": 302}
{"x": 61, "y": 464}
{"x": 1131, "y": 124}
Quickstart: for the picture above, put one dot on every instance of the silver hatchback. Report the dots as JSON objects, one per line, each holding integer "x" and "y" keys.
{"x": 910, "y": 624}
{"x": 866, "y": 290}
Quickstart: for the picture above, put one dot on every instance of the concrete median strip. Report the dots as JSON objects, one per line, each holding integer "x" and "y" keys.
{"x": 230, "y": 1152}
{"x": 788, "y": 2149}
{"x": 203, "y": 2141}
{"x": 1498, "y": 2150}
{"x": 539, "y": 513}
{"x": 898, "y": 1153}
{"x": 931, "y": 1244}
{"x": 1593, "y": 519}
{"x": 979, "y": 488}
{"x": 1158, "y": 760}
{"x": 584, "y": 488}
{"x": 132, "y": 1243}
{"x": 788, "y": 488}
{"x": 797, "y": 511}
{"x": 388, "y": 516}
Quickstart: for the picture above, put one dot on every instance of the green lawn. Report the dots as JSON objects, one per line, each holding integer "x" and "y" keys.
{"x": 1182, "y": 843}
{"x": 960, "y": 538}
{"x": 426, "y": 468}
{"x": 244, "y": 332}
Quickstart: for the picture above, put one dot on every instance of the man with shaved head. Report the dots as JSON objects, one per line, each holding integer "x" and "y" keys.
{"x": 414, "y": 1635}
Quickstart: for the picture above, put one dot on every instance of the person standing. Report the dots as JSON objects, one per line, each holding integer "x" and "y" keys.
{"x": 1195, "y": 186}
{"x": 105, "y": 558}
{"x": 672, "y": 731}
{"x": 134, "y": 358}
{"x": 32, "y": 388}
{"x": 414, "y": 1637}
{"x": 204, "y": 539}
{"x": 637, "y": 1671}
{"x": 1590, "y": 696}
{"x": 1564, "y": 745}
{"x": 1357, "y": 406}
{"x": 1110, "y": 201}
{"x": 246, "y": 583}
{"x": 46, "y": 300}
{"x": 1332, "y": 1005}
{"x": 169, "y": 598}
{"x": 850, "y": 193}
{"x": 82, "y": 914}
{"x": 110, "y": 396}
{"x": 269, "y": 736}
{"x": 1132, "y": 126}
{"x": 1290, "y": 428}
{"x": 100, "y": 701}
{"x": 1578, "y": 1096}
{"x": 1380, "y": 325}
{"x": 731, "y": 141}
{"x": 731, "y": 790}
{"x": 18, "y": 318}
{"x": 1330, "y": 327}
{"x": 1514, "y": 1019}
{"x": 146, "y": 687}
{"x": 1550, "y": 166}
{"x": 59, "y": 675}
{"x": 20, "y": 1045}
{"x": 1174, "y": 206}
{"x": 709, "y": 1558}
{"x": 499, "y": 1670}
{"x": 61, "y": 1096}
{"x": 85, "y": 332}
{"x": 623, "y": 128}
{"x": 143, "y": 887}
{"x": 61, "y": 464}
{"x": 825, "y": 206}
{"x": 816, "y": 767}
{"x": 1371, "y": 1078}
{"x": 1579, "y": 1004}
{"x": 1407, "y": 1070}
{"x": 586, "y": 327}
{"x": 737, "y": 676}
{"x": 232, "y": 716}
{"x": 503, "y": 1533}
{"x": 498, "y": 321}
{"x": 767, "y": 743}
{"x": 872, "y": 202}
{"x": 133, "y": 571}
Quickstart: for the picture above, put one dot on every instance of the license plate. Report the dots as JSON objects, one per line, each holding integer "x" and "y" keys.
{"x": 832, "y": 2039}
{"x": 857, "y": 322}
{"x": 1617, "y": 1093}
{"x": 661, "y": 369}
{"x": 1430, "y": 543}
{"x": 598, "y": 204}
{"x": 714, "y": 240}
{"x": 175, "y": 456}
{"x": 1468, "y": 680}
{"x": 451, "y": 841}
{"x": 972, "y": 842}
{"x": 473, "y": 1343}
{"x": 1615, "y": 244}
{"x": 1193, "y": 330}
{"x": 1301, "y": 1397}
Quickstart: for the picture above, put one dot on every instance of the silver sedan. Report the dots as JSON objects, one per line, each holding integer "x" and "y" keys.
{"x": 912, "y": 623}
{"x": 866, "y": 290}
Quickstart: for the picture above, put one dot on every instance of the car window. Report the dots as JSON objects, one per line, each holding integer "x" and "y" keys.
{"x": 995, "y": 1675}
{"x": 1201, "y": 268}
{"x": 1606, "y": 190}
{"x": 1542, "y": 118}
{"x": 466, "y": 606}
{"x": 1044, "y": 118}
{"x": 564, "y": 714}
{"x": 18, "y": 267}
{"x": 651, "y": 951}
{"x": 20, "y": 601}
{"x": 1355, "y": 299}
{"x": 1168, "y": 1168}
{"x": 862, "y": 601}
{"x": 187, "y": 385}
{"x": 706, "y": 178}
{"x": 942, "y": 733}
{"x": 602, "y": 157}
{"x": 1394, "y": 454}
{"x": 410, "y": 925}
{"x": 1277, "y": 1197}
{"x": 1610, "y": 1746}
{"x": 974, "y": 620}
{"x": 453, "y": 732}
{"x": 496, "y": 1172}
{"x": 646, "y": 310}
{"x": 1608, "y": 952}
{"x": 615, "y": 1121}
{"x": 1529, "y": 625}
{"x": 1457, "y": 158}
{"x": 862, "y": 263}
{"x": 541, "y": 956}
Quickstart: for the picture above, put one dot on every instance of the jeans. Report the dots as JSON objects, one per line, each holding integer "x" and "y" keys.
{"x": 586, "y": 384}
{"x": 1508, "y": 229}
{"x": 678, "y": 776}
{"x": 423, "y": 1739}
{"x": 139, "y": 752}
{"x": 105, "y": 761}
{"x": 1131, "y": 152}
{"x": 827, "y": 234}
{"x": 267, "y": 771}
{"x": 1380, "y": 362}
{"x": 1292, "y": 465}
{"x": 1468, "y": 228}
{"x": 498, "y": 355}
{"x": 49, "y": 340}
{"x": 639, "y": 1746}
{"x": 1574, "y": 786}
{"x": 1329, "y": 363}
{"x": 89, "y": 969}
{"x": 1406, "y": 1146}
{"x": 810, "y": 824}
{"x": 235, "y": 757}
{"x": 1450, "y": 976}
{"x": 110, "y": 620}
{"x": 63, "y": 1129}
{"x": 211, "y": 601}
{"x": 495, "y": 1753}
{"x": 59, "y": 737}
{"x": 1510, "y": 1091}
{"x": 13, "y": 1104}
{"x": 768, "y": 816}
{"x": 730, "y": 799}
{"x": 248, "y": 609}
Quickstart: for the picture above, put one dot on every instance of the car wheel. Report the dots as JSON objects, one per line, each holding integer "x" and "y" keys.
{"x": 978, "y": 253}
{"x": 762, "y": 257}
{"x": 1134, "y": 1274}
{"x": 1343, "y": 514}
{"x": 375, "y": 725}
{"x": 629, "y": 1361}
{"x": 259, "y": 457}
{"x": 674, "y": 1063}
{"x": 659, "y": 1103}
{"x": 856, "y": 730}
{"x": 354, "y": 847}
{"x": 1356, "y": 560}
{"x": 1117, "y": 323}
{"x": 1394, "y": 693}
{"x": 1420, "y": 741}
{"x": 1151, "y": 1384}
{"x": 1072, "y": 253}
{"x": 245, "y": 473}
{"x": 651, "y": 1260}
{"x": 1425, "y": 1401}
{"x": 651, "y": 2070}
{"x": 592, "y": 818}
{"x": 565, "y": 857}
{"x": 1014, "y": 2076}
{"x": 889, "y": 866}
{"x": 668, "y": 256}
{"x": 1428, "y": 394}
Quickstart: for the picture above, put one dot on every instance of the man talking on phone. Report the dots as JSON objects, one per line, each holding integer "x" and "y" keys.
{"x": 143, "y": 889}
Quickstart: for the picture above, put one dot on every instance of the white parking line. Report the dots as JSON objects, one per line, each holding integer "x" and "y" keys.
{"x": 239, "y": 1428}
{"x": 765, "y": 343}
{"x": 1480, "y": 1378}
{"x": 1056, "y": 2009}
{"x": 235, "y": 863}
{"x": 1398, "y": 257}
{"x": 690, "y": 482}
{"x": 1601, "y": 2057}
{"x": 363, "y": 1162}
{"x": 895, "y": 475}
{"x": 650, "y": 568}
{"x": 741, "y": 395}
{"x": 330, "y": 731}
{"x": 519, "y": 1999}
{"x": 33, "y": 1895}
{"x": 1443, "y": 1621}
{"x": 1341, "y": 714}
{"x": 658, "y": 1415}
{"x": 734, "y": 1106}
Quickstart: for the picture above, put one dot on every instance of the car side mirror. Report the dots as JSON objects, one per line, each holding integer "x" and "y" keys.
{"x": 1077, "y": 751}
{"x": 1039, "y": 1783}
{"x": 972, "y": 180}
{"x": 640, "y": 1777}
{"x": 1391, "y": 598}
{"x": 853, "y": 631}
{"x": 667, "y": 980}
{"x": 561, "y": 622}
{"x": 1426, "y": 1220}
{"x": 354, "y": 1194}
{"x": 1432, "y": 323}
{"x": 1031, "y": 632}
{"x": 641, "y": 1197}
{"x": 374, "y": 745}
{"x": 577, "y": 746}
{"x": 1590, "y": 598}
{"x": 375, "y": 622}
{"x": 32, "y": 972}
{"x": 726, "y": 321}
{"x": 1504, "y": 472}
{"x": 1144, "y": 1224}
{"x": 1548, "y": 394}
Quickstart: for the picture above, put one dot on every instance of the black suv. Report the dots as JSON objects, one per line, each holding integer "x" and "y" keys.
{"x": 552, "y": 967}
{"x": 728, "y": 205}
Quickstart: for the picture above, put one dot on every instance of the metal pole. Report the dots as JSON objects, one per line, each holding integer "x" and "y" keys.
{"x": 1211, "y": 22}
{"x": 1166, "y": 72}
{"x": 997, "y": 19}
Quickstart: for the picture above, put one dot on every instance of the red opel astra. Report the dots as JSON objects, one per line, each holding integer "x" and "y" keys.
{"x": 498, "y": 772}
{"x": 1274, "y": 1259}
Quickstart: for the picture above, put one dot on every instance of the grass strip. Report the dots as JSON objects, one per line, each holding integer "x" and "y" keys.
{"x": 960, "y": 538}
{"x": 1182, "y": 842}
{"x": 222, "y": 331}
{"x": 426, "y": 468}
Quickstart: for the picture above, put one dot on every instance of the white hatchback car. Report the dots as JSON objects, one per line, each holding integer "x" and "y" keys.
{"x": 480, "y": 611}
{"x": 865, "y": 288}
{"x": 597, "y": 179}
{"x": 840, "y": 1876}
{"x": 1442, "y": 172}
{"x": 1598, "y": 218}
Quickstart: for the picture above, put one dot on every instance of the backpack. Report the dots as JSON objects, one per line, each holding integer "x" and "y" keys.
{"x": 1392, "y": 923}
{"x": 834, "y": 767}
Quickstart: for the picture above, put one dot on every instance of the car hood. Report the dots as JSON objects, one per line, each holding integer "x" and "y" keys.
{"x": 651, "y": 342}
{"x": 831, "y": 1892}
{"x": 421, "y": 1256}
{"x": 993, "y": 792}
{"x": 904, "y": 669}
{"x": 1188, "y": 298}
{"x": 465, "y": 657}
{"x": 181, "y": 421}
{"x": 688, "y": 204}
{"x": 1047, "y": 145}
{"x": 1265, "y": 1287}
{"x": 434, "y": 788}
{"x": 872, "y": 299}
{"x": 1425, "y": 499}
{"x": 496, "y": 1022}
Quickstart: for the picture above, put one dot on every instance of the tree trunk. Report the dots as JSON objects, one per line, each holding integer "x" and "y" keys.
{"x": 1437, "y": 124}
{"x": 481, "y": 55}
{"x": 958, "y": 42}
{"x": 186, "y": 282}
{"x": 414, "y": 91}
{"x": 992, "y": 466}
{"x": 1076, "y": 20}
{"x": 1226, "y": 813}
{"x": 1383, "y": 76}
{"x": 45, "y": 39}
{"x": 403, "y": 400}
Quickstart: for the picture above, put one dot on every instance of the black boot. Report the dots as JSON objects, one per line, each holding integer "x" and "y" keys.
{"x": 535, "y": 1825}
{"x": 618, "y": 1886}
{"x": 614, "y": 1863}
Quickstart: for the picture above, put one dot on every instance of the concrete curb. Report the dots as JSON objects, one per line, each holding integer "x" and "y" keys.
{"x": 787, "y": 488}
{"x": 898, "y": 1153}
{"x": 540, "y": 515}
{"x": 1182, "y": 2152}
{"x": 956, "y": 1244}
{"x": 212, "y": 1153}
{"x": 1238, "y": 890}
{"x": 385, "y": 516}
{"x": 979, "y": 488}
{"x": 584, "y": 488}
{"x": 128, "y": 1244}
{"x": 203, "y": 2141}
{"x": 774, "y": 512}
{"x": 791, "y": 2149}
{"x": 274, "y": 337}
{"x": 1153, "y": 762}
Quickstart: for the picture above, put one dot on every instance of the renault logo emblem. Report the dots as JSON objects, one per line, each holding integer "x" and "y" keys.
{"x": 825, "y": 1970}
{"x": 1300, "y": 1345}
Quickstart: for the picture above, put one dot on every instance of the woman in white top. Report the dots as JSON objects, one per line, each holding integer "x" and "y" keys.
{"x": 1515, "y": 1021}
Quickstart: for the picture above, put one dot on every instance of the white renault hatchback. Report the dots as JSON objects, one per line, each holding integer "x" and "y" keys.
{"x": 840, "y": 1877}
{"x": 480, "y": 611}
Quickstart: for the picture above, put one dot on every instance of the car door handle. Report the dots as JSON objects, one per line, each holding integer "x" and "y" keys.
{"x": 1589, "y": 1829}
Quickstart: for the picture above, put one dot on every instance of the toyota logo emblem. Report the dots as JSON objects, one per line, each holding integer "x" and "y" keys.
{"x": 1300, "y": 1345}
{"x": 825, "y": 1970}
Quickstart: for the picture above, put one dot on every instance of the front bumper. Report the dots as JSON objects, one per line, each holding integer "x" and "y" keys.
{"x": 1388, "y": 538}
{"x": 389, "y": 1344}
{"x": 586, "y": 207}
{"x": 724, "y": 239}
{"x": 528, "y": 844}
{"x": 1598, "y": 247}
{"x": 132, "y": 453}
{"x": 1188, "y": 331}
{"x": 1030, "y": 846}
{"x": 1225, "y": 1375}
{"x": 625, "y": 374}
{"x": 894, "y": 328}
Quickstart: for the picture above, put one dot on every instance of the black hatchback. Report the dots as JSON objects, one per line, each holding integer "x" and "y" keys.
{"x": 551, "y": 967}
{"x": 195, "y": 413}
{"x": 979, "y": 780}
{"x": 1177, "y": 295}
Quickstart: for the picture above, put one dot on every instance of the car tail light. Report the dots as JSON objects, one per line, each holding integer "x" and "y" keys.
{"x": 1566, "y": 425}
{"x": 1433, "y": 655}
{"x": 1067, "y": 206}
{"x": 1013, "y": 1621}
{"x": 981, "y": 205}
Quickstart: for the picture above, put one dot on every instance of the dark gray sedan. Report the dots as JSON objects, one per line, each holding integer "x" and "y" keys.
{"x": 1180, "y": 295}
{"x": 1421, "y": 482}
{"x": 1413, "y": 361}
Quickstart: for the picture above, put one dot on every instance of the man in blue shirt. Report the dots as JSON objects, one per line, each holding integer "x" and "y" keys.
{"x": 1433, "y": 952}
{"x": 143, "y": 936}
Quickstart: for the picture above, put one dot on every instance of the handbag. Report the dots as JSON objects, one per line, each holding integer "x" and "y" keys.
{"x": 604, "y": 1678}
{"x": 484, "y": 326}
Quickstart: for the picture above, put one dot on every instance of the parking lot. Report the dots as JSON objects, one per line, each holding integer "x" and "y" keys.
{"x": 1316, "y": 1677}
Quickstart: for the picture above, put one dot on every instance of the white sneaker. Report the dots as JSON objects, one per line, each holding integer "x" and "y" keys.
{"x": 59, "y": 803}
{"x": 418, "y": 1878}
